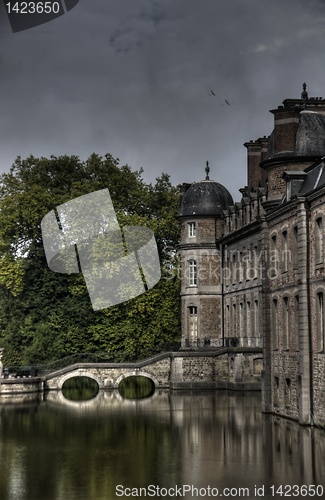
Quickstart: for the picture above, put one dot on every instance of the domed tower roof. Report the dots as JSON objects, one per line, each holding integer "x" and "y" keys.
{"x": 205, "y": 198}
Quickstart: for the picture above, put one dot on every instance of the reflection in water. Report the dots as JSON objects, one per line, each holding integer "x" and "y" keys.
{"x": 66, "y": 450}
{"x": 136, "y": 387}
{"x": 80, "y": 388}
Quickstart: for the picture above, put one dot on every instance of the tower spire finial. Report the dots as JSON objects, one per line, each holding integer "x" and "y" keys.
{"x": 304, "y": 93}
{"x": 207, "y": 170}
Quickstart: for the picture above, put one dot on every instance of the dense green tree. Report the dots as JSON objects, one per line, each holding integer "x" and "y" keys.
{"x": 45, "y": 316}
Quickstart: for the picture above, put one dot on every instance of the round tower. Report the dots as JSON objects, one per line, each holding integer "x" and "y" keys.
{"x": 201, "y": 218}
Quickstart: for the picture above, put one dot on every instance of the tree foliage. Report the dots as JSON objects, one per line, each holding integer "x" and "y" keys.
{"x": 44, "y": 315}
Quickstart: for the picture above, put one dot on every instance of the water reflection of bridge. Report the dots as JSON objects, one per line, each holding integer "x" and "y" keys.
{"x": 104, "y": 401}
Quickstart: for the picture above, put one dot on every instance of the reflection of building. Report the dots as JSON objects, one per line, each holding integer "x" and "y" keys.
{"x": 253, "y": 271}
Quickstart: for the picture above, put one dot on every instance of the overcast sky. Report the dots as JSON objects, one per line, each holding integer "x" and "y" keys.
{"x": 134, "y": 78}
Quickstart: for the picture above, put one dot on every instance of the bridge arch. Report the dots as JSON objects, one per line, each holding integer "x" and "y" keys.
{"x": 136, "y": 373}
{"x": 80, "y": 373}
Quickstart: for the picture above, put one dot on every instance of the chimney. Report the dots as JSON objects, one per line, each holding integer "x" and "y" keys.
{"x": 286, "y": 121}
{"x": 256, "y": 152}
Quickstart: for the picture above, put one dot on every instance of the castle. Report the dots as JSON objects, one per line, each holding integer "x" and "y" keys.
{"x": 253, "y": 271}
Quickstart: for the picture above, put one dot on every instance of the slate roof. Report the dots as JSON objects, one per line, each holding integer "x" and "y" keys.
{"x": 205, "y": 198}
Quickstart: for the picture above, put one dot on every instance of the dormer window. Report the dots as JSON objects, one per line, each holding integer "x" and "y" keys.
{"x": 294, "y": 180}
{"x": 191, "y": 229}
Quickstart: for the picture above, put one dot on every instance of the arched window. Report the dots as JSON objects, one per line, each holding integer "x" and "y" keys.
{"x": 192, "y": 273}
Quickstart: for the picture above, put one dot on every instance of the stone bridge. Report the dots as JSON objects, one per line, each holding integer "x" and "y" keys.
{"x": 226, "y": 368}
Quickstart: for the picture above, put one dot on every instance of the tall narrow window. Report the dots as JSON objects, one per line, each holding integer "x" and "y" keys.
{"x": 320, "y": 322}
{"x": 248, "y": 320}
{"x": 273, "y": 257}
{"x": 193, "y": 323}
{"x": 192, "y": 273}
{"x": 241, "y": 319}
{"x": 191, "y": 229}
{"x": 319, "y": 245}
{"x": 275, "y": 325}
{"x": 286, "y": 323}
{"x": 234, "y": 321}
{"x": 276, "y": 390}
{"x": 287, "y": 392}
{"x": 240, "y": 266}
{"x": 227, "y": 271}
{"x": 295, "y": 248}
{"x": 285, "y": 252}
{"x": 244, "y": 264}
{"x": 255, "y": 262}
{"x": 256, "y": 319}
{"x": 297, "y": 322}
{"x": 227, "y": 325}
{"x": 234, "y": 268}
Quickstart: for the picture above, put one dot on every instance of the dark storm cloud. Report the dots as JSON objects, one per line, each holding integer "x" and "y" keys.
{"x": 134, "y": 78}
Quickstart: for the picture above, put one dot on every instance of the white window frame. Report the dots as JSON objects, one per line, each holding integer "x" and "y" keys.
{"x": 193, "y": 322}
{"x": 191, "y": 229}
{"x": 192, "y": 273}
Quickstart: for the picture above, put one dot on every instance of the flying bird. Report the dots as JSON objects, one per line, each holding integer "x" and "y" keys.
{"x": 227, "y": 102}
{"x": 212, "y": 93}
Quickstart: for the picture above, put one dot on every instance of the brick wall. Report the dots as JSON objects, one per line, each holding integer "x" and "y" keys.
{"x": 276, "y": 183}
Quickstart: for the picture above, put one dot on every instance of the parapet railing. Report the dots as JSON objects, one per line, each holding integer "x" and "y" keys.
{"x": 226, "y": 342}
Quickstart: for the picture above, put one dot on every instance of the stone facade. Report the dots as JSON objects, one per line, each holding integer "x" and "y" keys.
{"x": 271, "y": 255}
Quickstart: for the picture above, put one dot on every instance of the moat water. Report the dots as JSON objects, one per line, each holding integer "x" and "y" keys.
{"x": 171, "y": 445}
